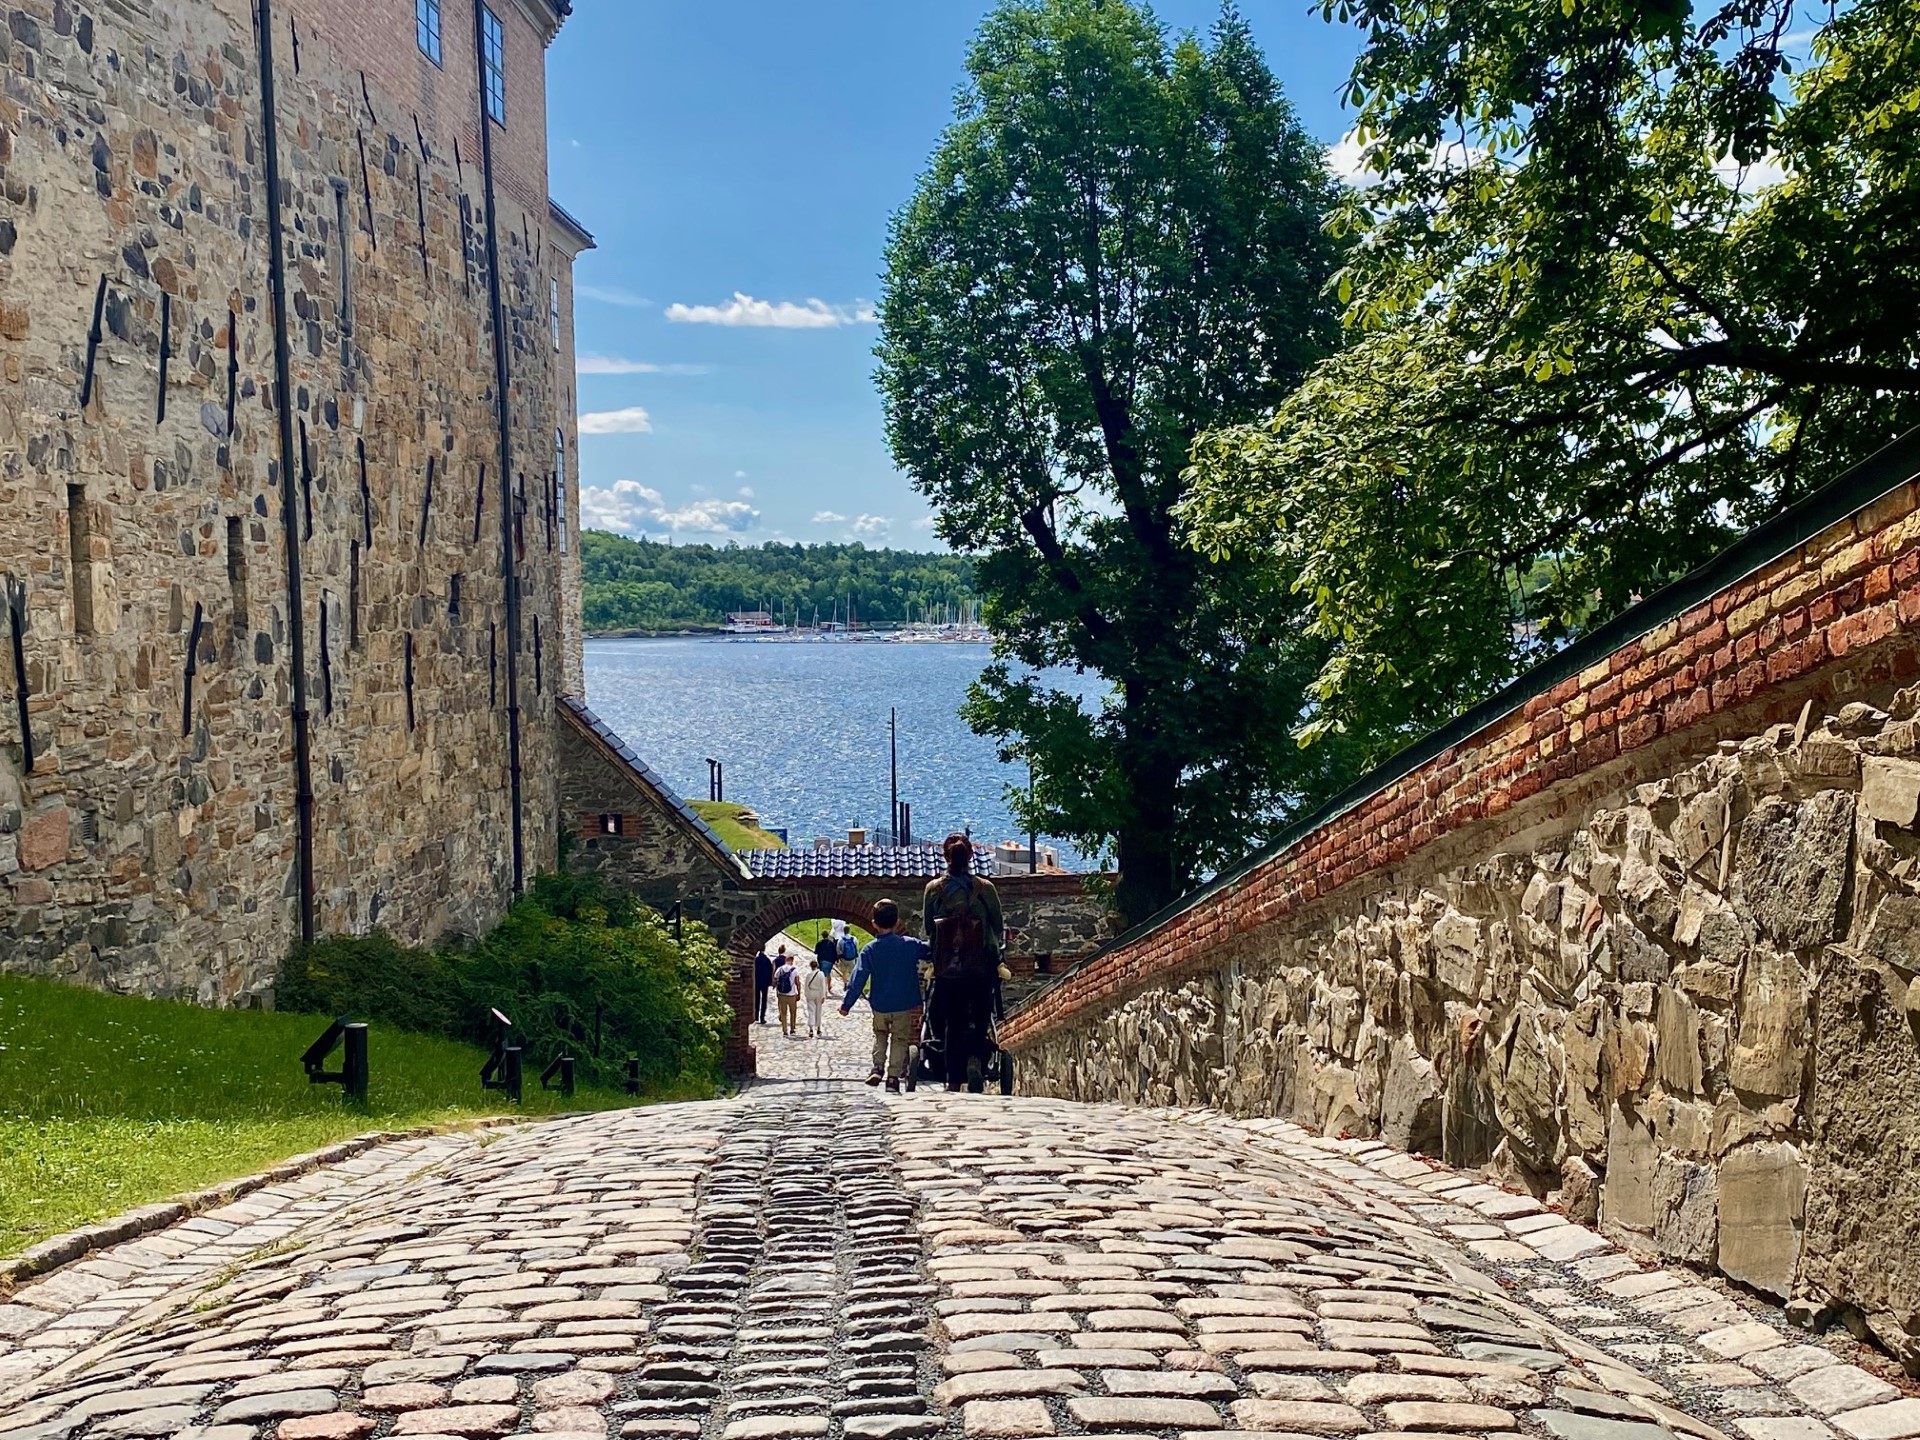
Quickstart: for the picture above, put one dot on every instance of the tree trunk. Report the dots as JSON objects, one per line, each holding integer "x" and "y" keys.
{"x": 1149, "y": 868}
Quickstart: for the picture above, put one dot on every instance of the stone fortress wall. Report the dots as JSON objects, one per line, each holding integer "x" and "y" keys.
{"x": 1649, "y": 945}
{"x": 148, "y": 837}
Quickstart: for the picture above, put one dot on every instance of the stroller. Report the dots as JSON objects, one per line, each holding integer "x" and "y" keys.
{"x": 959, "y": 1037}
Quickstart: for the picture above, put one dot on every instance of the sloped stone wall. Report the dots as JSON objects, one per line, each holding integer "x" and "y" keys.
{"x": 1690, "y": 1014}
{"x": 150, "y": 845}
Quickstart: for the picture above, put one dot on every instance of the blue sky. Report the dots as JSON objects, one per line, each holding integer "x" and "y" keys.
{"x": 737, "y": 163}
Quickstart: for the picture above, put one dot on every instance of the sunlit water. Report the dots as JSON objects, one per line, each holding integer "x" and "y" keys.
{"x": 802, "y": 729}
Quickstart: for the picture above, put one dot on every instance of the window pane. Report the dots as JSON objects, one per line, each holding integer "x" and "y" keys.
{"x": 554, "y": 306}
{"x": 496, "y": 59}
{"x": 426, "y": 24}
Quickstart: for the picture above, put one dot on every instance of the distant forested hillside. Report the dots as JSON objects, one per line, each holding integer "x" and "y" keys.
{"x": 643, "y": 585}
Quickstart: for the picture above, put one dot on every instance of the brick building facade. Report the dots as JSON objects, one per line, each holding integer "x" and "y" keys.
{"x": 291, "y": 590}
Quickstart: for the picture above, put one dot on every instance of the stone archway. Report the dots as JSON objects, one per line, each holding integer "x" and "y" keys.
{"x": 829, "y": 902}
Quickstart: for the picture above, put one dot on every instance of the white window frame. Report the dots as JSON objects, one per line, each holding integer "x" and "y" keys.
{"x": 426, "y": 28}
{"x": 560, "y": 485}
{"x": 494, "y": 64}
{"x": 554, "y": 306}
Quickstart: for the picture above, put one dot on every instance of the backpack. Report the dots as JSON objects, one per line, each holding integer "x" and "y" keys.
{"x": 848, "y": 950}
{"x": 960, "y": 944}
{"x": 783, "y": 979}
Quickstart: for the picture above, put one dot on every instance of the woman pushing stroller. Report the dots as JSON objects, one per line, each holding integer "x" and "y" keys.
{"x": 968, "y": 935}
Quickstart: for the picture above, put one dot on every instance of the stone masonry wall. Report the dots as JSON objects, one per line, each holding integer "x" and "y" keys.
{"x": 151, "y": 846}
{"x": 1676, "y": 989}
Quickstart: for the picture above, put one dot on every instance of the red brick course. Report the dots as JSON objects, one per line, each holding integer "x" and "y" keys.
{"x": 1851, "y": 594}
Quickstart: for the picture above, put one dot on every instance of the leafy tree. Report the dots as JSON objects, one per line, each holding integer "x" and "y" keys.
{"x": 1119, "y": 244}
{"x": 1626, "y": 281}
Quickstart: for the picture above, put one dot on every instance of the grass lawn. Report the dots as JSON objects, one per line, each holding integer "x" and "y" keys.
{"x": 808, "y": 932}
{"x": 724, "y": 817}
{"x": 108, "y": 1102}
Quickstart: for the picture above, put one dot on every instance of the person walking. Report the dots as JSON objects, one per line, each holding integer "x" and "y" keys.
{"x": 891, "y": 963}
{"x": 816, "y": 996}
{"x": 786, "y": 987}
{"x": 762, "y": 983}
{"x": 826, "y": 950}
{"x": 969, "y": 935}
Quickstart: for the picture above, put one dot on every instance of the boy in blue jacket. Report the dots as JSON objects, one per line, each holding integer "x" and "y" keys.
{"x": 892, "y": 963}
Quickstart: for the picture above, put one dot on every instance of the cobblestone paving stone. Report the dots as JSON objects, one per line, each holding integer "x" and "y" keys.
{"x": 815, "y": 1258}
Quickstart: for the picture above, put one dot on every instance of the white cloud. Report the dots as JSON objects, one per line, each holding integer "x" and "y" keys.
{"x": 631, "y": 421}
{"x": 746, "y": 492}
{"x": 1763, "y": 174}
{"x": 925, "y": 522}
{"x": 1346, "y": 159}
{"x": 613, "y": 295}
{"x": 744, "y": 310}
{"x": 828, "y": 517}
{"x": 739, "y": 474}
{"x": 630, "y": 508}
{"x": 872, "y": 527}
{"x": 620, "y": 365}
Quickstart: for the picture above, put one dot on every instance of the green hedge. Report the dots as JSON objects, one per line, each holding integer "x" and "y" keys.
{"x": 578, "y": 967}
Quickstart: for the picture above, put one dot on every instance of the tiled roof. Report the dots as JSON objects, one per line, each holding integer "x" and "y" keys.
{"x": 861, "y": 862}
{"x": 647, "y": 778}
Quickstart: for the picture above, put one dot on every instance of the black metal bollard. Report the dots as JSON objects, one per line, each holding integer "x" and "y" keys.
{"x": 563, "y": 1067}
{"x": 353, "y": 1063}
{"x": 351, "y": 1077}
{"x": 633, "y": 1075}
{"x": 502, "y": 1070}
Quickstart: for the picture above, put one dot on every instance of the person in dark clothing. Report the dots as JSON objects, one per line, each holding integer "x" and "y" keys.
{"x": 762, "y": 983}
{"x": 966, "y": 967}
{"x": 826, "y": 954}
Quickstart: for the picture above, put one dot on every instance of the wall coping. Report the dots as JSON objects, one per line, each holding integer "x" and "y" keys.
{"x": 1611, "y": 645}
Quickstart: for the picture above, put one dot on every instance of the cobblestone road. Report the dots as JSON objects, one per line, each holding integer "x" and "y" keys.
{"x": 817, "y": 1259}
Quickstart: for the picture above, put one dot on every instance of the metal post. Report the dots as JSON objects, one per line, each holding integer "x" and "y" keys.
{"x": 720, "y": 781}
{"x": 893, "y": 768}
{"x": 566, "y": 1076}
{"x": 510, "y": 1073}
{"x": 1033, "y": 836}
{"x": 353, "y": 1064}
{"x": 633, "y": 1075}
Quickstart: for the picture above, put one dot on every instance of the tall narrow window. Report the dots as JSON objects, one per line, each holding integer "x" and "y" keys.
{"x": 560, "y": 485}
{"x": 80, "y": 548}
{"x": 237, "y": 572}
{"x": 426, "y": 25}
{"x": 495, "y": 57}
{"x": 553, "y": 307}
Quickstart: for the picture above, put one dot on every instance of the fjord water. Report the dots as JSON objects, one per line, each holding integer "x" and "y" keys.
{"x": 802, "y": 728}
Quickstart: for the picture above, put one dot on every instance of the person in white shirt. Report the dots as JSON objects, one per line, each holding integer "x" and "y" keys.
{"x": 816, "y": 993}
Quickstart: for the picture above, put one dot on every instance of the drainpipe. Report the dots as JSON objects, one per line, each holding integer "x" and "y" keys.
{"x": 509, "y": 572}
{"x": 289, "y": 495}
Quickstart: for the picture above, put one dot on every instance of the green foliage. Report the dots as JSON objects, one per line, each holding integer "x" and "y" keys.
{"x": 1627, "y": 279}
{"x": 111, "y": 1101}
{"x": 578, "y": 967}
{"x": 727, "y": 821}
{"x": 1118, "y": 245}
{"x": 643, "y": 585}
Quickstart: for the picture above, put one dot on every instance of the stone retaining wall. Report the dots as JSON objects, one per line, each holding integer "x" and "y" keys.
{"x": 1648, "y": 945}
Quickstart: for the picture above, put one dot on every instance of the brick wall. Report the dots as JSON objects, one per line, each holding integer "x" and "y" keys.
{"x": 1834, "y": 617}
{"x": 150, "y": 846}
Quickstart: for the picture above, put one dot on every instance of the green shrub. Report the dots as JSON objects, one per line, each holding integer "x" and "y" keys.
{"x": 579, "y": 968}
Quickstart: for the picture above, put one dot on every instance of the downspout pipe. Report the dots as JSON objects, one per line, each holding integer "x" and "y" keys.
{"x": 289, "y": 496}
{"x": 509, "y": 571}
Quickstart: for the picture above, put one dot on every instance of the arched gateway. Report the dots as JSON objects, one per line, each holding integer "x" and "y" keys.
{"x": 626, "y": 824}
